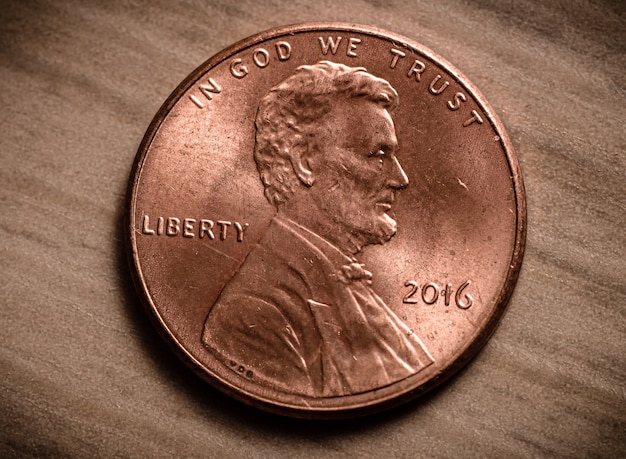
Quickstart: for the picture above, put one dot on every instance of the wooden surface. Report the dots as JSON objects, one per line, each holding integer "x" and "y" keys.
{"x": 83, "y": 372}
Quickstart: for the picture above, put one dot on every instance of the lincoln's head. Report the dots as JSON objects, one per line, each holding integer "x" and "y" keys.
{"x": 325, "y": 151}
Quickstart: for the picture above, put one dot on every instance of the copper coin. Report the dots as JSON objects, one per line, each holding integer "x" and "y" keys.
{"x": 326, "y": 220}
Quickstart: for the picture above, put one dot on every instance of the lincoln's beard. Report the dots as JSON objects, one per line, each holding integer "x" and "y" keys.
{"x": 362, "y": 226}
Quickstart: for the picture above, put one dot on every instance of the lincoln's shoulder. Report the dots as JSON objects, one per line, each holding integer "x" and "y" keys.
{"x": 274, "y": 284}
{"x": 286, "y": 257}
{"x": 263, "y": 311}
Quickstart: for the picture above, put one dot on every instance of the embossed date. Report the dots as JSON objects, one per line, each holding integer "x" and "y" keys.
{"x": 431, "y": 292}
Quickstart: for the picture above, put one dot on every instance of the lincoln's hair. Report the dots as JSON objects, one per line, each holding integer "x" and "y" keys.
{"x": 293, "y": 115}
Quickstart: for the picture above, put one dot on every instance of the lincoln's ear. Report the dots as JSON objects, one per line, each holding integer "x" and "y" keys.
{"x": 301, "y": 166}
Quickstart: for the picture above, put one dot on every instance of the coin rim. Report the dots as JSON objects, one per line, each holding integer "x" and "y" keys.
{"x": 373, "y": 405}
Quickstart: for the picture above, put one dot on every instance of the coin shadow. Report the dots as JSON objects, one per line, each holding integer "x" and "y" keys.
{"x": 209, "y": 403}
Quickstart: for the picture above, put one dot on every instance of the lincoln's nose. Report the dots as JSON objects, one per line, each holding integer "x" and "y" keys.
{"x": 397, "y": 177}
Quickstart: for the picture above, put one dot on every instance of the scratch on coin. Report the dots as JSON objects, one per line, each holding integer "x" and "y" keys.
{"x": 221, "y": 253}
{"x": 462, "y": 184}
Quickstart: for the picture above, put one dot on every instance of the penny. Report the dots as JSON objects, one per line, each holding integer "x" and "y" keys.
{"x": 326, "y": 220}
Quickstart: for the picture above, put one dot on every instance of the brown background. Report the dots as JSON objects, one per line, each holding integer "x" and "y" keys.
{"x": 85, "y": 374}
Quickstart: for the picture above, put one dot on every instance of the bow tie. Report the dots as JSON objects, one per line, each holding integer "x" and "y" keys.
{"x": 355, "y": 272}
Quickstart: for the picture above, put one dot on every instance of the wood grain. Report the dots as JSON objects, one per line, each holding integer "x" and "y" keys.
{"x": 84, "y": 373}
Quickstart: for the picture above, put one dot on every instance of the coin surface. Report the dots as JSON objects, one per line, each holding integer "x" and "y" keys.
{"x": 326, "y": 220}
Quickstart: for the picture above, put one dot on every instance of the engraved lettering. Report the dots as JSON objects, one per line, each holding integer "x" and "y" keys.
{"x": 206, "y": 229}
{"x": 397, "y": 54}
{"x": 240, "y": 369}
{"x": 261, "y": 57}
{"x": 238, "y": 69}
{"x": 223, "y": 228}
{"x": 212, "y": 87}
{"x": 431, "y": 292}
{"x": 196, "y": 101}
{"x": 474, "y": 119}
{"x": 283, "y": 50}
{"x": 416, "y": 69}
{"x": 459, "y": 301}
{"x": 191, "y": 227}
{"x": 188, "y": 227}
{"x": 435, "y": 294}
{"x": 447, "y": 293}
{"x": 352, "y": 47}
{"x": 440, "y": 89}
{"x": 173, "y": 226}
{"x": 240, "y": 229}
{"x": 146, "y": 226}
{"x": 329, "y": 44}
{"x": 456, "y": 101}
{"x": 408, "y": 298}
